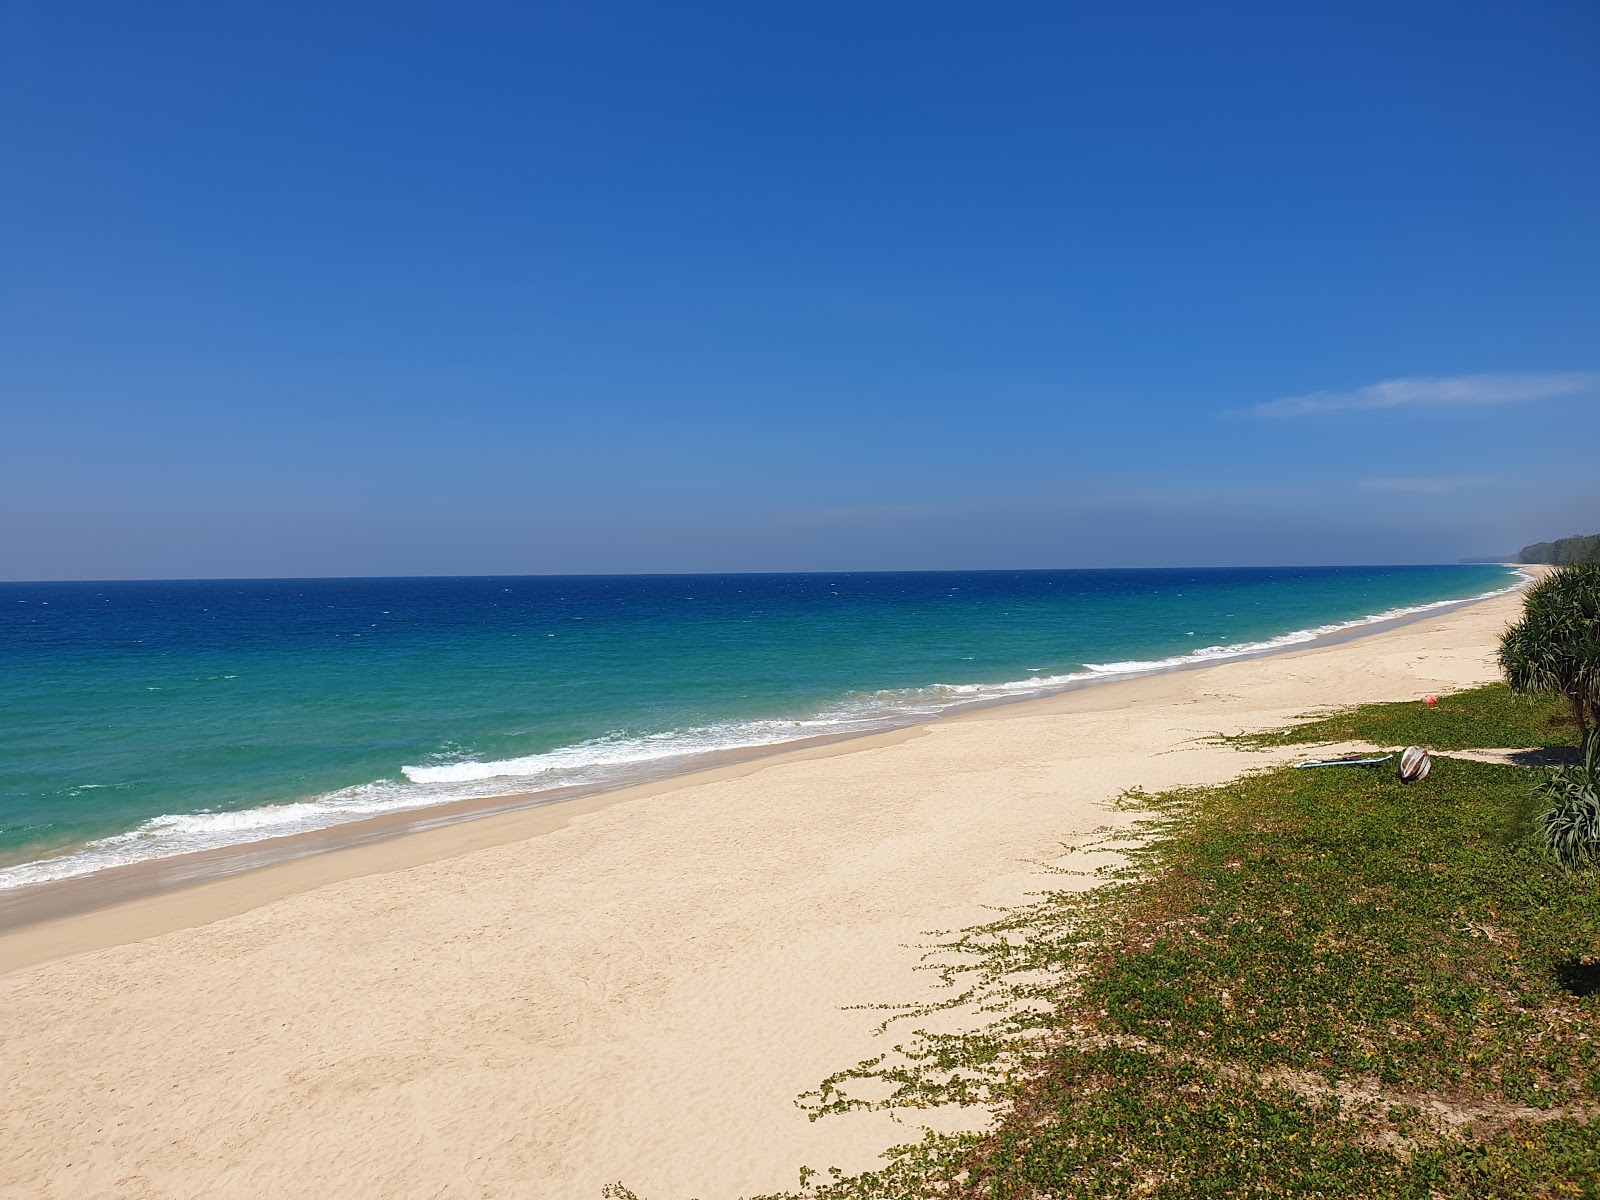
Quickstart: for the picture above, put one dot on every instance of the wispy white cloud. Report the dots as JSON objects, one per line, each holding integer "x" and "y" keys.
{"x": 1423, "y": 485}
{"x": 1459, "y": 391}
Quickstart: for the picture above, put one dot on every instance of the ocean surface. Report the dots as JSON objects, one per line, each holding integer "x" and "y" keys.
{"x": 140, "y": 720}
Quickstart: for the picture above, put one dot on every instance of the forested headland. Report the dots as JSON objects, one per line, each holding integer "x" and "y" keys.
{"x": 1563, "y": 551}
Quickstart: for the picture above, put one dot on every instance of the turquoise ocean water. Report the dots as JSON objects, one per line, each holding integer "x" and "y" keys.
{"x": 140, "y": 720}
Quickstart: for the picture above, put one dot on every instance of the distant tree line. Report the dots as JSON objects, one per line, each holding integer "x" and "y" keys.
{"x": 1563, "y": 551}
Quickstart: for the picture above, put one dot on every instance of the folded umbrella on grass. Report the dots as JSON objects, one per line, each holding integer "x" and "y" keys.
{"x": 1346, "y": 760}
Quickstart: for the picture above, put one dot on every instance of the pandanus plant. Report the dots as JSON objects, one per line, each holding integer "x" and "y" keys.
{"x": 1572, "y": 823}
{"x": 1556, "y": 648}
{"x": 1556, "y": 645}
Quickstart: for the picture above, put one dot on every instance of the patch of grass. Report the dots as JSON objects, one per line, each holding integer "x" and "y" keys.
{"x": 1300, "y": 984}
{"x": 1483, "y": 717}
{"x": 1358, "y": 926}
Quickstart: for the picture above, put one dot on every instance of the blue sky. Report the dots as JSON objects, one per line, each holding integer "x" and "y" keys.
{"x": 344, "y": 289}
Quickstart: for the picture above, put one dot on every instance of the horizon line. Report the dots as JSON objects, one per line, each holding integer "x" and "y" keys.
{"x": 1486, "y": 562}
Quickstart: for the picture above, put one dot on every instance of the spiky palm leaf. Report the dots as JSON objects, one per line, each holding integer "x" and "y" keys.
{"x": 1572, "y": 823}
{"x": 1556, "y": 645}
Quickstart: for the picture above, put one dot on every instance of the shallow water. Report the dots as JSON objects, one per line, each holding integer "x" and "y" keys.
{"x": 145, "y": 719}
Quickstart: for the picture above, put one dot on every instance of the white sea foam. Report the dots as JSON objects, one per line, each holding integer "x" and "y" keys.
{"x": 618, "y": 757}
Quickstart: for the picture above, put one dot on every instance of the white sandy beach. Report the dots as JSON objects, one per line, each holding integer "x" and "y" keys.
{"x": 633, "y": 987}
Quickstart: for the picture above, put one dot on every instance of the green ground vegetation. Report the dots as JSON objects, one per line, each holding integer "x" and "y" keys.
{"x": 1490, "y": 716}
{"x": 1302, "y": 983}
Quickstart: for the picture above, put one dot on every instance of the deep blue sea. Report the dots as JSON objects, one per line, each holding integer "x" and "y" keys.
{"x": 146, "y": 719}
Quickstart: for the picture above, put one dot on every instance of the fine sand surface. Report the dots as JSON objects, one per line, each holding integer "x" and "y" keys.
{"x": 629, "y": 987}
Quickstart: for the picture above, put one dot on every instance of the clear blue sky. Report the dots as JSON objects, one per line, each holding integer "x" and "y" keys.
{"x": 400, "y": 288}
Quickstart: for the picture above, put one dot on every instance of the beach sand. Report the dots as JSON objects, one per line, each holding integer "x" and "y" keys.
{"x": 633, "y": 986}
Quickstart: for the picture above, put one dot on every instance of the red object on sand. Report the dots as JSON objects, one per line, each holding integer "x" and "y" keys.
{"x": 1432, "y": 701}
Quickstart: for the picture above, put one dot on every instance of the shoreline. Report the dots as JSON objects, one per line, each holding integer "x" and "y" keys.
{"x": 629, "y": 986}
{"x": 50, "y": 901}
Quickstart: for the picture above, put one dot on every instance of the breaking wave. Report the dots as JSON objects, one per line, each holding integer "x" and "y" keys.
{"x": 620, "y": 758}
